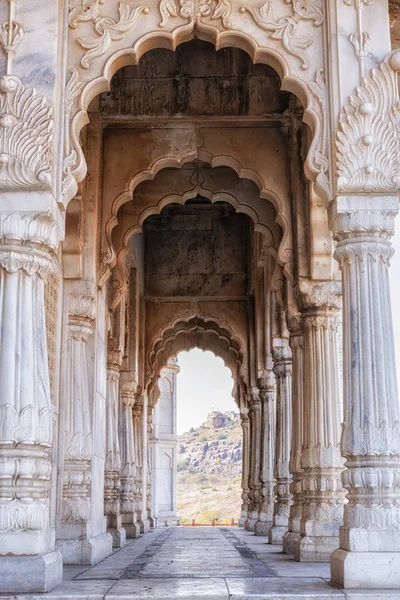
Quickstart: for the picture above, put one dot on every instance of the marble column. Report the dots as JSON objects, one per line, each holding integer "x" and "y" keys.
{"x": 255, "y": 456}
{"x": 128, "y": 456}
{"x": 149, "y": 488}
{"x": 245, "y": 421}
{"x": 136, "y": 416}
{"x": 295, "y": 466}
{"x": 75, "y": 538}
{"x": 267, "y": 387}
{"x": 283, "y": 371}
{"x": 321, "y": 459}
{"x": 369, "y": 553}
{"x": 112, "y": 475}
{"x": 27, "y": 535}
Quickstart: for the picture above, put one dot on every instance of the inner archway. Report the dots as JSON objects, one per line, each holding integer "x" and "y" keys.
{"x": 196, "y": 443}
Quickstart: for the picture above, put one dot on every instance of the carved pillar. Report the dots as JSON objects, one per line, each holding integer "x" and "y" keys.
{"x": 297, "y": 346}
{"x": 255, "y": 444}
{"x": 268, "y": 424}
{"x": 283, "y": 372}
{"x": 128, "y": 456}
{"x": 136, "y": 415}
{"x": 245, "y": 421}
{"x": 26, "y": 433}
{"x": 112, "y": 481}
{"x": 75, "y": 537}
{"x": 141, "y": 422}
{"x": 149, "y": 490}
{"x": 369, "y": 554}
{"x": 321, "y": 459}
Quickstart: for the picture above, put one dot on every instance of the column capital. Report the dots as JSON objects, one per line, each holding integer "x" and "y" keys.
{"x": 320, "y": 297}
{"x": 282, "y": 356}
{"x": 254, "y": 398}
{"x": 362, "y": 226}
{"x": 81, "y": 316}
{"x": 128, "y": 387}
{"x": 267, "y": 382}
{"x": 114, "y": 360}
{"x": 26, "y": 242}
{"x": 244, "y": 415}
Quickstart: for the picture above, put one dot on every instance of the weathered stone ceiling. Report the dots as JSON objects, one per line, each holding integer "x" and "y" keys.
{"x": 195, "y": 80}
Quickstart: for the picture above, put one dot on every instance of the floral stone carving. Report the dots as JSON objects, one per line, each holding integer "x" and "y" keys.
{"x": 368, "y": 141}
{"x": 107, "y": 29}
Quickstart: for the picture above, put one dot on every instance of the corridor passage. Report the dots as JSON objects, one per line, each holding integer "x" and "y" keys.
{"x": 214, "y": 563}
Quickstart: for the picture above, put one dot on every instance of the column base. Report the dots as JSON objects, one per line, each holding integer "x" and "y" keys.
{"x": 118, "y": 537}
{"x": 31, "y": 574}
{"x": 87, "y": 551}
{"x": 276, "y": 534}
{"x": 288, "y": 541}
{"x": 262, "y": 528}
{"x": 366, "y": 570}
{"x": 242, "y": 521}
{"x": 153, "y": 522}
{"x": 132, "y": 530}
{"x": 144, "y": 526}
{"x": 315, "y": 548}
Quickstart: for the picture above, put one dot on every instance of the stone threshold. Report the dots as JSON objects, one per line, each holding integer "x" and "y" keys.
{"x": 231, "y": 588}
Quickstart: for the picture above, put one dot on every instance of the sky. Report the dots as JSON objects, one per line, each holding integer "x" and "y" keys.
{"x": 204, "y": 382}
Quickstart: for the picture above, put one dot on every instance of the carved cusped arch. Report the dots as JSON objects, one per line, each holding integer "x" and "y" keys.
{"x": 197, "y": 332}
{"x": 211, "y": 184}
{"x": 103, "y": 37}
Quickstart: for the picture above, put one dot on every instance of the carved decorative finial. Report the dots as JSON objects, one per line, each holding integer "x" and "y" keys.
{"x": 11, "y": 34}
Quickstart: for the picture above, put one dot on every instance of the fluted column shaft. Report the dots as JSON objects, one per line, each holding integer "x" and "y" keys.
{"x": 128, "y": 455}
{"x": 295, "y": 466}
{"x": 136, "y": 415}
{"x": 26, "y": 416}
{"x": 112, "y": 480}
{"x": 267, "y": 476}
{"x": 78, "y": 438}
{"x": 321, "y": 460}
{"x": 369, "y": 554}
{"x": 283, "y": 372}
{"x": 245, "y": 421}
{"x": 255, "y": 442}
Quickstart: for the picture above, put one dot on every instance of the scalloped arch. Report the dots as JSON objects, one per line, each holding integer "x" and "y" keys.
{"x": 294, "y": 83}
{"x": 196, "y": 331}
{"x": 282, "y": 207}
{"x": 282, "y": 256}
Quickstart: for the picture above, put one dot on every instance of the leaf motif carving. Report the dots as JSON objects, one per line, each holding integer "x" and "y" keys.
{"x": 26, "y": 134}
{"x": 368, "y": 140}
{"x": 285, "y": 27}
{"x": 108, "y": 29}
{"x": 196, "y": 10}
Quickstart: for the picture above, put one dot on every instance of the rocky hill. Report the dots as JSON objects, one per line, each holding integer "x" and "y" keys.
{"x": 210, "y": 470}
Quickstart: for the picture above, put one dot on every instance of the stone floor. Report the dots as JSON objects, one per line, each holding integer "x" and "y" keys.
{"x": 208, "y": 563}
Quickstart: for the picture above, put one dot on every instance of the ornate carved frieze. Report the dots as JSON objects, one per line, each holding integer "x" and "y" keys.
{"x": 285, "y": 28}
{"x": 107, "y": 29}
{"x": 368, "y": 142}
{"x": 196, "y": 11}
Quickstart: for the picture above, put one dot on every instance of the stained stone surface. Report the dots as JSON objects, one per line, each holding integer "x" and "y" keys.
{"x": 214, "y": 563}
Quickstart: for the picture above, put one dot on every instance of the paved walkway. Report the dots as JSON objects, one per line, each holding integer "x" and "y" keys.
{"x": 204, "y": 563}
